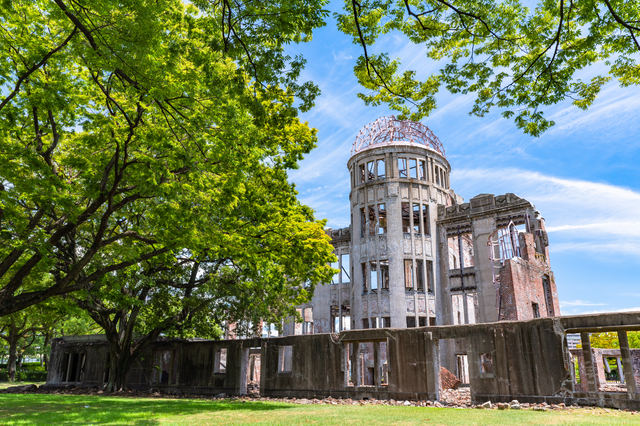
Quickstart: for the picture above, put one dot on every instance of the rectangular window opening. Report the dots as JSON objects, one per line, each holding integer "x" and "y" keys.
{"x": 406, "y": 218}
{"x": 420, "y": 274}
{"x": 362, "y": 173}
{"x": 402, "y": 167}
{"x": 458, "y": 308}
{"x": 486, "y": 363}
{"x": 364, "y": 278}
{"x": 462, "y": 368}
{"x": 411, "y": 321}
{"x": 346, "y": 317}
{"x": 366, "y": 368}
{"x": 382, "y": 173}
{"x": 548, "y": 297}
{"x": 384, "y": 274}
{"x": 576, "y": 370}
{"x": 383, "y": 361}
{"x": 437, "y": 175}
{"x": 425, "y": 220}
{"x": 285, "y": 359}
{"x": 371, "y": 172}
{"x": 372, "y": 220}
{"x": 163, "y": 362}
{"x": 386, "y": 322}
{"x": 422, "y": 321}
{"x": 344, "y": 258}
{"x": 307, "y": 325}
{"x": 536, "y": 310}
{"x": 408, "y": 274}
{"x": 374, "y": 275}
{"x": 336, "y": 277}
{"x": 365, "y": 323}
{"x": 416, "y": 218}
{"x": 375, "y": 322}
{"x": 349, "y": 376}
{"x": 429, "y": 276}
{"x": 220, "y": 365}
{"x": 422, "y": 170}
{"x": 382, "y": 219}
{"x": 413, "y": 168}
{"x": 363, "y": 223}
{"x": 461, "y": 253}
{"x": 339, "y": 324}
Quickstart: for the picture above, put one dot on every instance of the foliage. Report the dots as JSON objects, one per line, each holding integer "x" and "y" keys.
{"x": 132, "y": 131}
{"x": 510, "y": 57}
{"x": 609, "y": 340}
{"x": 25, "y": 376}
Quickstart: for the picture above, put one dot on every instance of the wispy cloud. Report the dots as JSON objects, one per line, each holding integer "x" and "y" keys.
{"x": 580, "y": 215}
{"x": 342, "y": 55}
{"x": 606, "y": 311}
{"x": 579, "y": 303}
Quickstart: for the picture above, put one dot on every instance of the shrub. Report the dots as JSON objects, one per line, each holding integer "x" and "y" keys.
{"x": 25, "y": 376}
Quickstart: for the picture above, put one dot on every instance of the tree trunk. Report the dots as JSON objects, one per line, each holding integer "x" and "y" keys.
{"x": 13, "y": 355}
{"x": 45, "y": 357}
{"x": 118, "y": 368}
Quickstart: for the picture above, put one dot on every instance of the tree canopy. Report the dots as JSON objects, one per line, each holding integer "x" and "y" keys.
{"x": 133, "y": 131}
{"x": 510, "y": 57}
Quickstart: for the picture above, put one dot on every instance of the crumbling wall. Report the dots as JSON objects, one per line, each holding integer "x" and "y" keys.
{"x": 520, "y": 286}
{"x": 91, "y": 356}
{"x": 524, "y": 360}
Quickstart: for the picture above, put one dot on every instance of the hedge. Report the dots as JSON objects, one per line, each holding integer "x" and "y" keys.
{"x": 25, "y": 376}
{"x": 29, "y": 366}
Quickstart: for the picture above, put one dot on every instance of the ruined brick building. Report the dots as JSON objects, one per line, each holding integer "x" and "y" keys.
{"x": 427, "y": 283}
{"x": 417, "y": 255}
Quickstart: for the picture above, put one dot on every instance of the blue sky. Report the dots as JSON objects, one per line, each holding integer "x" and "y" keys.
{"x": 583, "y": 174}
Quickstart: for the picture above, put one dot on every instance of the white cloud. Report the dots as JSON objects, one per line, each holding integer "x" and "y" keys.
{"x": 580, "y": 215}
{"x": 342, "y": 55}
{"x": 564, "y": 304}
{"x": 606, "y": 311}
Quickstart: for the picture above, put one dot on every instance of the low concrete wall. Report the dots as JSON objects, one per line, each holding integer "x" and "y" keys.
{"x": 524, "y": 360}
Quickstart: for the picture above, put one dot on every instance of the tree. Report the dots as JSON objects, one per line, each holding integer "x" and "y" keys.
{"x": 21, "y": 330}
{"x": 125, "y": 125}
{"x": 512, "y": 58}
{"x": 609, "y": 340}
{"x": 275, "y": 257}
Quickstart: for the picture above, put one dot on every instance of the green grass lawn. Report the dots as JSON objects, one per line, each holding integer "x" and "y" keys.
{"x": 19, "y": 409}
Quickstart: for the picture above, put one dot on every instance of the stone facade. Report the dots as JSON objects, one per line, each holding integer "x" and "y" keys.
{"x": 417, "y": 255}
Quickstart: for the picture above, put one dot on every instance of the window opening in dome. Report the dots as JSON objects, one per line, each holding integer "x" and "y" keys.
{"x": 413, "y": 168}
{"x": 371, "y": 173}
{"x": 402, "y": 167}
{"x": 381, "y": 169}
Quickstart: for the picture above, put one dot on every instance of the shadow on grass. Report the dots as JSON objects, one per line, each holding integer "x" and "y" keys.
{"x": 84, "y": 409}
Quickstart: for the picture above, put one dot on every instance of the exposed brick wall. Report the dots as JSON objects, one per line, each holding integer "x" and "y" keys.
{"x": 582, "y": 372}
{"x": 521, "y": 284}
{"x": 597, "y": 355}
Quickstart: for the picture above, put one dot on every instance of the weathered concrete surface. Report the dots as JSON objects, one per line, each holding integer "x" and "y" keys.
{"x": 524, "y": 360}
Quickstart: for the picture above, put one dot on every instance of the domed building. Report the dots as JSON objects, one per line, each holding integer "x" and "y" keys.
{"x": 417, "y": 255}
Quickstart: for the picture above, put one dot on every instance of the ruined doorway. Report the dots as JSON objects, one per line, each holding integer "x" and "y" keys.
{"x": 253, "y": 382}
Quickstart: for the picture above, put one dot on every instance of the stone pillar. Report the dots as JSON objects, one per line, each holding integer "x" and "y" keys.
{"x": 588, "y": 363}
{"x": 627, "y": 366}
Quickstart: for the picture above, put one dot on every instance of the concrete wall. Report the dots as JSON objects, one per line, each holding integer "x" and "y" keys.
{"x": 524, "y": 360}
